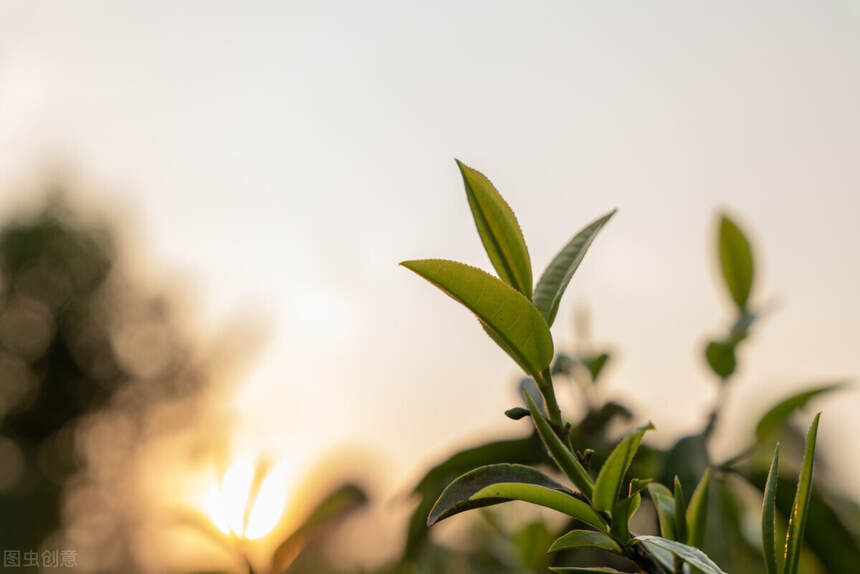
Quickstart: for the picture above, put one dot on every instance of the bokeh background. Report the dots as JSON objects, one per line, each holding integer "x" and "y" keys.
{"x": 245, "y": 178}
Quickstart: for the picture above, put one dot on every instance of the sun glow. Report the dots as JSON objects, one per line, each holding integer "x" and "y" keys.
{"x": 234, "y": 508}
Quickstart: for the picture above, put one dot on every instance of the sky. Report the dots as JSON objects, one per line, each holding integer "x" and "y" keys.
{"x": 280, "y": 158}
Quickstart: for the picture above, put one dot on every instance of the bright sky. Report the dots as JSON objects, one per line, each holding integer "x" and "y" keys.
{"x": 284, "y": 156}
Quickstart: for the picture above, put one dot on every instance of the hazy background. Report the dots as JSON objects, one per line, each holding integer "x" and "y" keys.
{"x": 311, "y": 146}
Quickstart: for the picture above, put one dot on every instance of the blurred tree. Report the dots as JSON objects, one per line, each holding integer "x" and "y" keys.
{"x": 85, "y": 360}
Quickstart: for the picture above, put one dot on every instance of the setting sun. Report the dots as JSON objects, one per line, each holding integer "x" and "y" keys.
{"x": 248, "y": 501}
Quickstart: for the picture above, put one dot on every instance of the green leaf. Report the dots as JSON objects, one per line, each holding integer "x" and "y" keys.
{"x": 692, "y": 556}
{"x": 336, "y": 504}
{"x": 611, "y": 476}
{"x": 688, "y": 459}
{"x": 524, "y": 451}
{"x": 637, "y": 485}
{"x": 499, "y": 483}
{"x": 595, "y": 365}
{"x": 768, "y": 517}
{"x": 506, "y": 313}
{"x": 532, "y": 541}
{"x": 542, "y": 496}
{"x": 830, "y": 532}
{"x": 664, "y": 504}
{"x": 585, "y": 539}
{"x": 736, "y": 261}
{"x": 697, "y": 512}
{"x": 622, "y": 512}
{"x": 557, "y": 275}
{"x": 500, "y": 233}
{"x": 680, "y": 516}
{"x": 770, "y": 423}
{"x": 558, "y": 452}
{"x": 531, "y": 387}
{"x": 721, "y": 358}
{"x": 585, "y": 570}
{"x": 800, "y": 508}
{"x": 333, "y": 508}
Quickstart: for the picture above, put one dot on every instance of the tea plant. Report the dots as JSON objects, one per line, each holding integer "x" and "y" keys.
{"x": 517, "y": 314}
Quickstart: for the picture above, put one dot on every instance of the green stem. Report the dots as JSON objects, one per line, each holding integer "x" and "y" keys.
{"x": 546, "y": 389}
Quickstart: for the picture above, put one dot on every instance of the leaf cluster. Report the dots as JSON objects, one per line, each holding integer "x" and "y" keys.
{"x": 601, "y": 504}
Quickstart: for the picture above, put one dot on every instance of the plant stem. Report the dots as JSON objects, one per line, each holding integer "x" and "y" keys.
{"x": 546, "y": 389}
{"x": 714, "y": 416}
{"x": 637, "y": 553}
{"x": 644, "y": 560}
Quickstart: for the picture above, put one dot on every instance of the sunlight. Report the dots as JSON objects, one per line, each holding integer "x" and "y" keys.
{"x": 228, "y": 501}
{"x": 271, "y": 500}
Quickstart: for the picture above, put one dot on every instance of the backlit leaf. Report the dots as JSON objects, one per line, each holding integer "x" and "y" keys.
{"x": 520, "y": 329}
{"x": 736, "y": 261}
{"x": 768, "y": 517}
{"x": 680, "y": 515}
{"x": 697, "y": 512}
{"x": 800, "y": 508}
{"x": 611, "y": 476}
{"x": 557, "y": 275}
{"x": 830, "y": 533}
{"x": 585, "y": 539}
{"x": 542, "y": 496}
{"x": 622, "y": 512}
{"x": 497, "y": 483}
{"x": 499, "y": 230}
{"x": 664, "y": 504}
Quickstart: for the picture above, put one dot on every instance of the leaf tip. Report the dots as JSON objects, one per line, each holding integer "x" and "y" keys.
{"x": 463, "y": 167}
{"x": 815, "y": 420}
{"x": 727, "y": 221}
